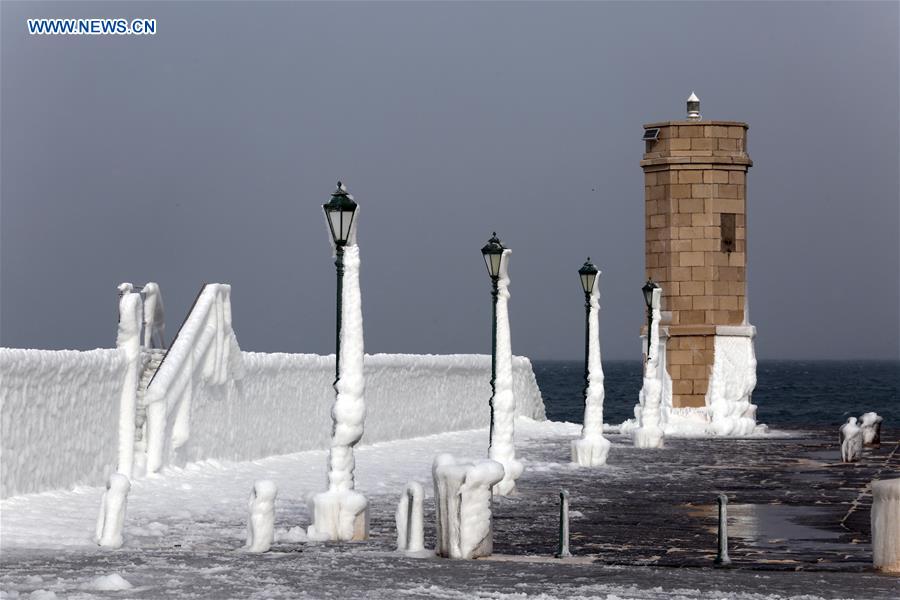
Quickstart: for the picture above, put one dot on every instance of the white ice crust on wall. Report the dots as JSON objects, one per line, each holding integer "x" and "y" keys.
{"x": 462, "y": 493}
{"x": 154, "y": 317}
{"x": 649, "y": 433}
{"x": 205, "y": 354}
{"x": 128, "y": 340}
{"x": 59, "y": 415}
{"x": 886, "y": 525}
{"x": 340, "y": 513}
{"x": 731, "y": 385}
{"x": 592, "y": 448}
{"x": 503, "y": 447}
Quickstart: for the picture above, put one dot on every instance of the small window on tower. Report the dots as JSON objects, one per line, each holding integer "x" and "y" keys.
{"x": 728, "y": 235}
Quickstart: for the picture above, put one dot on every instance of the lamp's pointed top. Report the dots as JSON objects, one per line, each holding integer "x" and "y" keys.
{"x": 693, "y": 97}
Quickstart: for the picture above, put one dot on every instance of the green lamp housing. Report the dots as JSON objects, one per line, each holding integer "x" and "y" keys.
{"x": 493, "y": 255}
{"x": 588, "y": 273}
{"x": 340, "y": 212}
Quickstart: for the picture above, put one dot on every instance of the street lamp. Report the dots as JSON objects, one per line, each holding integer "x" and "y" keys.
{"x": 493, "y": 260}
{"x": 339, "y": 213}
{"x": 648, "y": 300}
{"x": 588, "y": 274}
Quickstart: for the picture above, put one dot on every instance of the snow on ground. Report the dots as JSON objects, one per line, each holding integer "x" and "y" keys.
{"x": 191, "y": 505}
{"x": 185, "y": 529}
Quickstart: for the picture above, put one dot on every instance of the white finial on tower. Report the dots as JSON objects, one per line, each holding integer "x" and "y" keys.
{"x": 693, "y": 107}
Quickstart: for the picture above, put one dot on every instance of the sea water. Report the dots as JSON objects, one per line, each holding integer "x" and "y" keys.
{"x": 788, "y": 393}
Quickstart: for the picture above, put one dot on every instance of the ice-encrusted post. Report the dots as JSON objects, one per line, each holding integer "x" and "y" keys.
{"x": 562, "y": 550}
{"x": 886, "y": 525}
{"x": 592, "y": 448}
{"x": 410, "y": 519}
{"x": 649, "y": 434}
{"x": 128, "y": 341}
{"x": 851, "y": 439}
{"x": 871, "y": 428}
{"x": 341, "y": 513}
{"x": 462, "y": 496}
{"x": 111, "y": 519}
{"x": 503, "y": 448}
{"x": 722, "y": 558}
{"x": 261, "y": 518}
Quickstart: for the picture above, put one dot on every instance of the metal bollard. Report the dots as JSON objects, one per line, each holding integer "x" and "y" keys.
{"x": 722, "y": 557}
{"x": 562, "y": 550}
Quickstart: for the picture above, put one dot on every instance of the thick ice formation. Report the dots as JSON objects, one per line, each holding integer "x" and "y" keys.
{"x": 261, "y": 520}
{"x": 886, "y": 525}
{"x": 592, "y": 448}
{"x": 503, "y": 448}
{"x": 649, "y": 434}
{"x": 851, "y": 439}
{"x": 205, "y": 352}
{"x": 410, "y": 519}
{"x": 281, "y": 405}
{"x": 462, "y": 493}
{"x": 154, "y": 317}
{"x": 111, "y": 519}
{"x": 871, "y": 428}
{"x": 60, "y": 417}
{"x": 731, "y": 385}
{"x": 342, "y": 513}
{"x": 128, "y": 341}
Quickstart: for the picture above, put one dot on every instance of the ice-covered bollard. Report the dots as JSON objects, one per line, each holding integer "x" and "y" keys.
{"x": 851, "y": 441}
{"x": 886, "y": 525}
{"x": 649, "y": 433}
{"x": 410, "y": 519}
{"x": 722, "y": 558}
{"x": 562, "y": 551}
{"x": 261, "y": 520}
{"x": 111, "y": 520}
{"x": 462, "y": 493}
{"x": 871, "y": 428}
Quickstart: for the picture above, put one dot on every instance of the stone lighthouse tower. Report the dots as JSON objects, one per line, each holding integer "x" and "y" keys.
{"x": 695, "y": 196}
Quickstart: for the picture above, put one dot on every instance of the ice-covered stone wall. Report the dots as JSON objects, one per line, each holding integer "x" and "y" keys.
{"x": 60, "y": 408}
{"x": 59, "y": 411}
{"x": 283, "y": 402}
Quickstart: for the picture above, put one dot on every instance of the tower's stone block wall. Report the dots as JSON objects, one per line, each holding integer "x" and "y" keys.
{"x": 695, "y": 201}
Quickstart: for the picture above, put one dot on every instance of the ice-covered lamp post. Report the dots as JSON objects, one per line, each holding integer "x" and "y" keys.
{"x": 341, "y": 513}
{"x": 501, "y": 446}
{"x": 493, "y": 259}
{"x": 648, "y": 300}
{"x": 591, "y": 449}
{"x": 340, "y": 213}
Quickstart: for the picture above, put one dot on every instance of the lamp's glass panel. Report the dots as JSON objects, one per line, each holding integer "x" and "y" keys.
{"x": 495, "y": 264}
{"x": 346, "y": 223}
{"x": 334, "y": 222}
{"x": 587, "y": 283}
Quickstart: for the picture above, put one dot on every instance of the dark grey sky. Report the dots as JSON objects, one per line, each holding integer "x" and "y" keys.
{"x": 204, "y": 153}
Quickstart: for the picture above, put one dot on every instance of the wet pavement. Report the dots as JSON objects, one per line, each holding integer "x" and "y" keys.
{"x": 642, "y": 527}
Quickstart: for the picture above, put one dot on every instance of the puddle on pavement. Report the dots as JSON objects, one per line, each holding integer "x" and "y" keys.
{"x": 768, "y": 525}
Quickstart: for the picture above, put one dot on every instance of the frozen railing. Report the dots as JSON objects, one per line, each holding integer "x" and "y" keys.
{"x": 205, "y": 351}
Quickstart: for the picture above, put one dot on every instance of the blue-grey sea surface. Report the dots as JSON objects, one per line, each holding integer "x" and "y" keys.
{"x": 788, "y": 393}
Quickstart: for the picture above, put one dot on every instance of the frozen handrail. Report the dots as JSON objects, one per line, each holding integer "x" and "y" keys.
{"x": 205, "y": 350}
